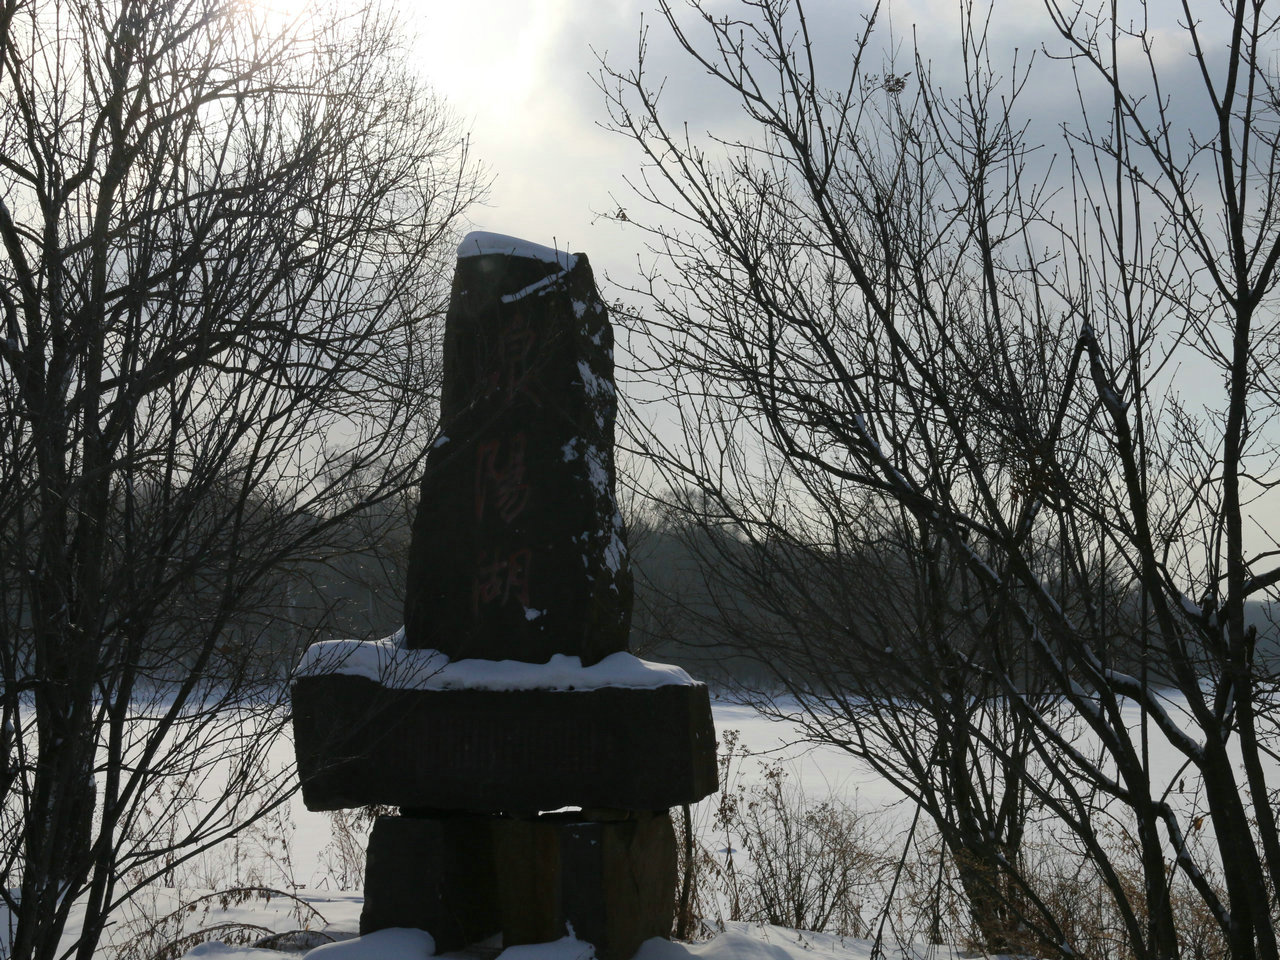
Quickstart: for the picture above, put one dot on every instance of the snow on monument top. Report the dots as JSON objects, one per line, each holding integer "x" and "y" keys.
{"x": 391, "y": 664}
{"x": 479, "y": 243}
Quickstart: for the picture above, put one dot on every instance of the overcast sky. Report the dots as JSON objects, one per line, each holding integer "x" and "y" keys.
{"x": 519, "y": 72}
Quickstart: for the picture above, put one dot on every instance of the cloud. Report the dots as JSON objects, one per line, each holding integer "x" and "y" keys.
{"x": 522, "y": 71}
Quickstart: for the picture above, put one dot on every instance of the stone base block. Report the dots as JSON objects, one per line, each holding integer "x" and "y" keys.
{"x": 501, "y": 751}
{"x": 613, "y": 883}
{"x": 437, "y": 875}
{"x": 462, "y": 879}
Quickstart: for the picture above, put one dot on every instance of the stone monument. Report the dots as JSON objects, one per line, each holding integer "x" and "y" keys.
{"x": 532, "y": 758}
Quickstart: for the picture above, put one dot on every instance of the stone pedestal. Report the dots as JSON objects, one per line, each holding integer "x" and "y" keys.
{"x": 501, "y": 751}
{"x": 612, "y": 881}
{"x": 436, "y": 874}
{"x": 497, "y": 758}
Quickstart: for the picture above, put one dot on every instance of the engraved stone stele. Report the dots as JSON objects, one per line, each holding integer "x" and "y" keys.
{"x": 518, "y": 554}
{"x": 518, "y": 548}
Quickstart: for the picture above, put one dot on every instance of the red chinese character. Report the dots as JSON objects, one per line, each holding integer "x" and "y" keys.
{"x": 489, "y": 579}
{"x": 510, "y": 375}
{"x": 519, "y": 566}
{"x": 504, "y": 480}
{"x": 500, "y": 578}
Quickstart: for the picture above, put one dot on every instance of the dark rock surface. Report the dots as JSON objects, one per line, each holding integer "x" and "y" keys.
{"x": 466, "y": 878}
{"x": 518, "y": 547}
{"x": 436, "y": 874}
{"x": 504, "y": 751}
{"x": 613, "y": 882}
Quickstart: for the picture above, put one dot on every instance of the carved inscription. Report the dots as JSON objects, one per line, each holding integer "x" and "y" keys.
{"x": 502, "y": 577}
{"x": 501, "y": 485}
{"x": 516, "y": 343}
{"x": 504, "y": 567}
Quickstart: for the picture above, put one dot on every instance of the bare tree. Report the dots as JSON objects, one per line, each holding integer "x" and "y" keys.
{"x": 223, "y": 236}
{"x": 867, "y": 632}
{"x": 876, "y": 304}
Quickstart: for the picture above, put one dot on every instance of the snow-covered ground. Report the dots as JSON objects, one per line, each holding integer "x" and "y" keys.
{"x": 738, "y": 941}
{"x": 302, "y": 861}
